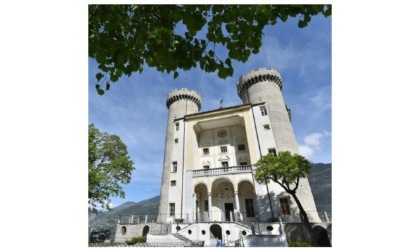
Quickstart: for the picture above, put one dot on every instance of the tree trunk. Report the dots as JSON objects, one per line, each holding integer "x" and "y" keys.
{"x": 304, "y": 217}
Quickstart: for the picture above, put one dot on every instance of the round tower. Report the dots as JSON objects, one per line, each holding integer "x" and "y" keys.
{"x": 265, "y": 85}
{"x": 179, "y": 103}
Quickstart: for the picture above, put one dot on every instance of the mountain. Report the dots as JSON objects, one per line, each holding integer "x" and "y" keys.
{"x": 106, "y": 220}
{"x": 320, "y": 181}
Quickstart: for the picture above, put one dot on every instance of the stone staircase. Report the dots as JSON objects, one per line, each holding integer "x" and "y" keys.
{"x": 188, "y": 241}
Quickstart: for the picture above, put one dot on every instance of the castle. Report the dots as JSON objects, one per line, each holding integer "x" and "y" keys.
{"x": 208, "y": 191}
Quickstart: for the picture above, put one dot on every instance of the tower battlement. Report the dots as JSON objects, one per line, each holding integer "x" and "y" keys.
{"x": 183, "y": 94}
{"x": 255, "y": 76}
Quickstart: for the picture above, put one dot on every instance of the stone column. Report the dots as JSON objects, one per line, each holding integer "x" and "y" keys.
{"x": 194, "y": 207}
{"x": 238, "y": 208}
{"x": 210, "y": 208}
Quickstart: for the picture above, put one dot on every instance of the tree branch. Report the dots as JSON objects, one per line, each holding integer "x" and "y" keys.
{"x": 297, "y": 183}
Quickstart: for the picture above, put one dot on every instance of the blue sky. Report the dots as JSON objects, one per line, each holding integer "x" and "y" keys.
{"x": 134, "y": 108}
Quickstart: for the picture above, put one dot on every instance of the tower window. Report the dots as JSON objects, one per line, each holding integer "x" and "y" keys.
{"x": 272, "y": 151}
{"x": 174, "y": 166}
{"x": 206, "y": 151}
{"x": 241, "y": 147}
{"x": 266, "y": 126}
{"x": 249, "y": 205}
{"x": 176, "y": 140}
{"x": 225, "y": 164}
{"x": 263, "y": 110}
{"x": 206, "y": 166}
{"x": 285, "y": 205}
{"x": 171, "y": 209}
{"x": 177, "y": 126}
{"x": 243, "y": 163}
{"x": 173, "y": 182}
{"x": 223, "y": 149}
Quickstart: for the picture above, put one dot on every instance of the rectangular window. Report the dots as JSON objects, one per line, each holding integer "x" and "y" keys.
{"x": 176, "y": 140}
{"x": 266, "y": 126}
{"x": 241, "y": 147}
{"x": 225, "y": 164}
{"x": 206, "y": 205}
{"x": 272, "y": 151}
{"x": 223, "y": 149}
{"x": 243, "y": 163}
{"x": 171, "y": 209}
{"x": 263, "y": 110}
{"x": 206, "y": 151}
{"x": 206, "y": 167}
{"x": 174, "y": 166}
{"x": 177, "y": 126}
{"x": 285, "y": 205}
{"x": 249, "y": 206}
{"x": 173, "y": 182}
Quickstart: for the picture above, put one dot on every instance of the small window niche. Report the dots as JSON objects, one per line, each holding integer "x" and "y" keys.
{"x": 272, "y": 151}
{"x": 266, "y": 126}
{"x": 174, "y": 166}
{"x": 263, "y": 110}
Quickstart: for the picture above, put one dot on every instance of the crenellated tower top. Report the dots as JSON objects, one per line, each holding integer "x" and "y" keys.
{"x": 183, "y": 94}
{"x": 255, "y": 76}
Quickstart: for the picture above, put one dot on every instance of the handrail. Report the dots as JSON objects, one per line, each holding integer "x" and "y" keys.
{"x": 222, "y": 170}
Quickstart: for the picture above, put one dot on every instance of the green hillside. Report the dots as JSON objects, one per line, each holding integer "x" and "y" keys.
{"x": 320, "y": 181}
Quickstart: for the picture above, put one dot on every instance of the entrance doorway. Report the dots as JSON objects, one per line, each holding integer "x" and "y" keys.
{"x": 216, "y": 231}
{"x": 228, "y": 210}
{"x": 145, "y": 230}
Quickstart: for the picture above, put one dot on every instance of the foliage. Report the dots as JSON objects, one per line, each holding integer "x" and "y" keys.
{"x": 109, "y": 165}
{"x": 122, "y": 38}
{"x": 299, "y": 244}
{"x": 285, "y": 169}
{"x": 134, "y": 240}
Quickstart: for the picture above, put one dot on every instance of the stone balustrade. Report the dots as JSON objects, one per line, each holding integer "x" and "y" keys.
{"x": 222, "y": 170}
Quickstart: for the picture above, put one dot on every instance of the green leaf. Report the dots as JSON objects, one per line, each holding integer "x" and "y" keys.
{"x": 328, "y": 11}
{"x": 100, "y": 91}
{"x": 302, "y": 23}
{"x": 223, "y": 73}
{"x": 176, "y": 74}
{"x": 99, "y": 76}
{"x": 228, "y": 62}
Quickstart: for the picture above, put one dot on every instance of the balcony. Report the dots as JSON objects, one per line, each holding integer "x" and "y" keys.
{"x": 222, "y": 170}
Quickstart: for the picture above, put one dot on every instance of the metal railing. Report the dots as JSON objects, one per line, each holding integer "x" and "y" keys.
{"x": 223, "y": 170}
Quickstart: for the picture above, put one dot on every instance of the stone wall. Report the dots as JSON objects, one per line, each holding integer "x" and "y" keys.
{"x": 136, "y": 230}
{"x": 299, "y": 232}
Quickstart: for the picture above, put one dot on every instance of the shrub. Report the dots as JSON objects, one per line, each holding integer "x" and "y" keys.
{"x": 134, "y": 240}
{"x": 299, "y": 244}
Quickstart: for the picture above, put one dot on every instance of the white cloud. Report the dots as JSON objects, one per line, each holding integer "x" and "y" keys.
{"x": 313, "y": 139}
{"x": 306, "y": 151}
{"x": 312, "y": 143}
